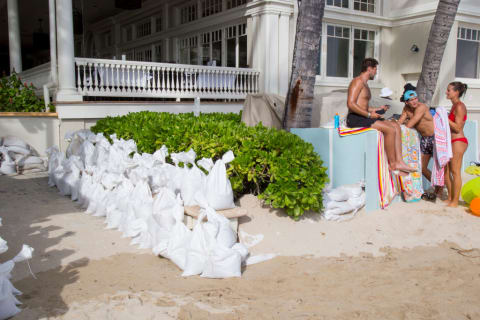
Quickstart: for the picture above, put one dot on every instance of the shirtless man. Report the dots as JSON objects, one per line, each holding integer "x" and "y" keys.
{"x": 417, "y": 115}
{"x": 361, "y": 115}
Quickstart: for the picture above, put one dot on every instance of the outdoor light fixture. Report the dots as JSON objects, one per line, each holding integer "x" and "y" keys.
{"x": 414, "y": 48}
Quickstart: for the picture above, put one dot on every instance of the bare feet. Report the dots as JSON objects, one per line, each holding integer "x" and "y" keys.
{"x": 403, "y": 167}
{"x": 452, "y": 204}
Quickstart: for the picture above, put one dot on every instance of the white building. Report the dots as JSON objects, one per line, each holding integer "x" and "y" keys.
{"x": 224, "y": 49}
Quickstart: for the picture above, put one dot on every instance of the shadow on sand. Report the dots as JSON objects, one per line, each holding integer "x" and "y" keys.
{"x": 27, "y": 206}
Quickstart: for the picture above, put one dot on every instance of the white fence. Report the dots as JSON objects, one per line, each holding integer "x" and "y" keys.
{"x": 120, "y": 78}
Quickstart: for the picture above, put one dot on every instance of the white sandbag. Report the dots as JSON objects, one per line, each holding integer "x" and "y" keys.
{"x": 3, "y": 246}
{"x": 218, "y": 191}
{"x": 55, "y": 158}
{"x": 19, "y": 150}
{"x": 353, "y": 190}
{"x": 223, "y": 263}
{"x": 193, "y": 182}
{"x": 9, "y": 141}
{"x": 165, "y": 208}
{"x": 206, "y": 163}
{"x": 357, "y": 202}
{"x": 30, "y": 162}
{"x": 342, "y": 206}
{"x": 225, "y": 237}
{"x": 242, "y": 250}
{"x": 157, "y": 179}
{"x": 8, "y": 167}
{"x": 178, "y": 244}
{"x": 4, "y": 156}
{"x": 75, "y": 146}
{"x": 25, "y": 253}
{"x": 7, "y": 306}
{"x": 142, "y": 200}
{"x": 202, "y": 241}
{"x": 160, "y": 155}
{"x": 86, "y": 153}
{"x": 176, "y": 173}
{"x": 338, "y": 194}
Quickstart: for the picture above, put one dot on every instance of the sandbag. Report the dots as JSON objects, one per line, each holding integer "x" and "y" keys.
{"x": 357, "y": 202}
{"x": 219, "y": 191}
{"x": 223, "y": 263}
{"x": 201, "y": 242}
{"x": 338, "y": 194}
{"x": 10, "y": 141}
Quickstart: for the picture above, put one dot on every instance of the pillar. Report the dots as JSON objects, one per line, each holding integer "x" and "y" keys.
{"x": 283, "y": 54}
{"x": 66, "y": 59}
{"x": 14, "y": 40}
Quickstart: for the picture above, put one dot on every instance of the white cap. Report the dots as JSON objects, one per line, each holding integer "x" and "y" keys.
{"x": 386, "y": 92}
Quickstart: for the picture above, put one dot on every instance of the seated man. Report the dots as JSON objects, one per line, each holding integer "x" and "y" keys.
{"x": 417, "y": 115}
{"x": 361, "y": 115}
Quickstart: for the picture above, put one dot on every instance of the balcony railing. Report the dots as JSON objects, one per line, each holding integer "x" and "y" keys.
{"x": 120, "y": 78}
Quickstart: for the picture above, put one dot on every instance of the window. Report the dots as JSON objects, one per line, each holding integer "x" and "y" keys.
{"x": 338, "y": 3}
{"x": 468, "y": 41}
{"x": 128, "y": 33}
{"x": 364, "y": 5}
{"x": 189, "y": 50}
{"x": 188, "y": 13}
{"x": 237, "y": 46}
{"x": 338, "y": 46}
{"x": 347, "y": 47}
{"x": 158, "y": 52}
{"x": 108, "y": 39}
{"x": 140, "y": 54}
{"x": 211, "y": 48}
{"x": 359, "y": 5}
{"x": 363, "y": 47}
{"x": 210, "y": 7}
{"x": 159, "y": 23}
{"x": 144, "y": 29}
{"x": 235, "y": 3}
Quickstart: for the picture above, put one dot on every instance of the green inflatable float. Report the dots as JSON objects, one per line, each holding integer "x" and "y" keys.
{"x": 471, "y": 190}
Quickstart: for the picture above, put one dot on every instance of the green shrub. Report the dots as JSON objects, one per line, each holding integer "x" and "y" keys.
{"x": 278, "y": 166}
{"x": 16, "y": 96}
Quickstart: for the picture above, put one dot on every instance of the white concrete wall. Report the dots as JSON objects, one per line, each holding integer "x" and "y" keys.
{"x": 39, "y": 132}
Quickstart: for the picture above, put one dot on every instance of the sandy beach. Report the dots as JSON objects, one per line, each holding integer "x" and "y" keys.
{"x": 411, "y": 261}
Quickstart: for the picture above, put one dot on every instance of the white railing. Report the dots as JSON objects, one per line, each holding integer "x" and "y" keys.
{"x": 120, "y": 78}
{"x": 38, "y": 76}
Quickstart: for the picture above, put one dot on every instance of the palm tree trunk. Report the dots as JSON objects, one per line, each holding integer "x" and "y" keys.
{"x": 437, "y": 41}
{"x": 299, "y": 102}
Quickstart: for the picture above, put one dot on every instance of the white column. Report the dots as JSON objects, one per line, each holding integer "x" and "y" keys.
{"x": 66, "y": 62}
{"x": 283, "y": 54}
{"x": 53, "y": 41}
{"x": 269, "y": 36}
{"x": 14, "y": 40}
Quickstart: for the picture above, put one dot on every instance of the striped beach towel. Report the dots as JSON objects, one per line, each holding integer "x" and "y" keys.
{"x": 442, "y": 152}
{"x": 386, "y": 183}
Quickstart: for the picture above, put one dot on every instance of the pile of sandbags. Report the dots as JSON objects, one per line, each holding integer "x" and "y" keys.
{"x": 143, "y": 196}
{"x": 342, "y": 203}
{"x": 8, "y": 293}
{"x": 16, "y": 156}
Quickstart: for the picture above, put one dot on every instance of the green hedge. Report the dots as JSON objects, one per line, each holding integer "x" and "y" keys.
{"x": 276, "y": 165}
{"x": 16, "y": 96}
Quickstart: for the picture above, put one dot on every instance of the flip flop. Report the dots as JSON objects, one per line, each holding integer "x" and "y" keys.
{"x": 429, "y": 197}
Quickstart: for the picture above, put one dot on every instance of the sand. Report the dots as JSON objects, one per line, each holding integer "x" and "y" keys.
{"x": 405, "y": 262}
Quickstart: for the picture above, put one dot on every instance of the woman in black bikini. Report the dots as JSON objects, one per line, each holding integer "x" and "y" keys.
{"x": 456, "y": 119}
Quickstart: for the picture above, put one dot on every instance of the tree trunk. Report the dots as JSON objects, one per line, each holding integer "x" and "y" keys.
{"x": 299, "y": 101}
{"x": 437, "y": 41}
